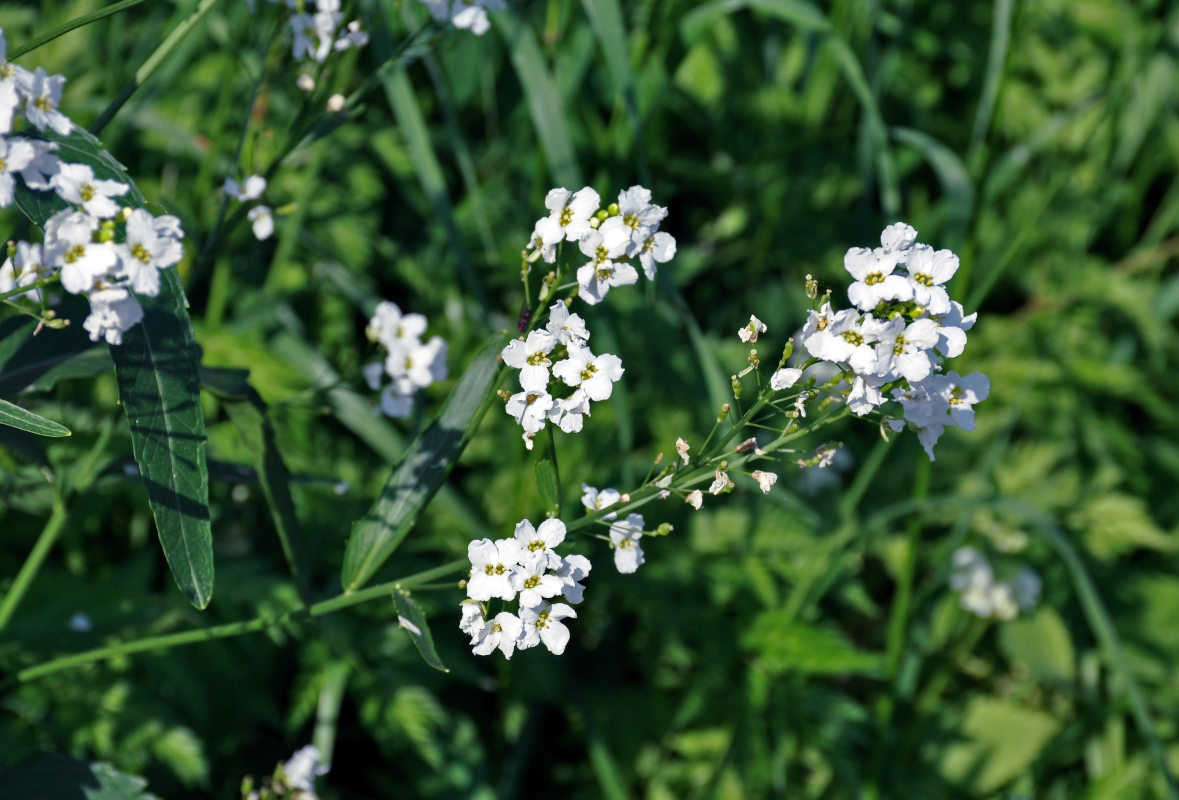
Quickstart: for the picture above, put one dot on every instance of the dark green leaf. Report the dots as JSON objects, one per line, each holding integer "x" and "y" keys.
{"x": 421, "y": 472}
{"x": 17, "y": 417}
{"x": 546, "y": 482}
{"x": 156, "y": 367}
{"x": 29, "y": 360}
{"x": 411, "y": 619}
{"x": 784, "y": 644}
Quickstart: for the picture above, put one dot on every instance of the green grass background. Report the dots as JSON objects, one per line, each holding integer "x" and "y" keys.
{"x": 804, "y": 645}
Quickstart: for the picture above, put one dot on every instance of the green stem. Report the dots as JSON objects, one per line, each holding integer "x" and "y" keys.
{"x": 32, "y": 564}
{"x": 77, "y": 22}
{"x": 152, "y": 63}
{"x": 41, "y": 284}
{"x": 166, "y": 641}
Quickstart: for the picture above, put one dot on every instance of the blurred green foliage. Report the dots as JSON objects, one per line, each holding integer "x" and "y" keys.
{"x": 801, "y": 645}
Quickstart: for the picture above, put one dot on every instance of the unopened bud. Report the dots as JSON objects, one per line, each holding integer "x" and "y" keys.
{"x": 305, "y": 82}
{"x": 613, "y": 210}
{"x": 736, "y": 384}
{"x": 812, "y": 287}
{"x": 335, "y": 103}
{"x": 625, "y": 498}
{"x": 664, "y": 529}
{"x": 659, "y": 459}
{"x": 787, "y": 351}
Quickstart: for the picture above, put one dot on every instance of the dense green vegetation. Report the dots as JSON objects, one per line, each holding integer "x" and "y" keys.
{"x": 806, "y": 644}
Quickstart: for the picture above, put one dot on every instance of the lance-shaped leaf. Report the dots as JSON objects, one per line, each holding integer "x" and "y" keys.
{"x": 156, "y": 367}
{"x": 411, "y": 619}
{"x": 16, "y": 417}
{"x": 426, "y": 464}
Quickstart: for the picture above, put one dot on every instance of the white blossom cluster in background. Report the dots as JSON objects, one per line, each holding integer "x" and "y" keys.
{"x": 319, "y": 29}
{"x": 897, "y": 338}
{"x": 625, "y": 534}
{"x": 526, "y": 567}
{"x": 295, "y": 779}
{"x": 466, "y": 14}
{"x": 260, "y": 216}
{"x": 95, "y": 247}
{"x": 410, "y": 363}
{"x": 610, "y": 238}
{"x": 982, "y": 594}
{"x": 561, "y": 351}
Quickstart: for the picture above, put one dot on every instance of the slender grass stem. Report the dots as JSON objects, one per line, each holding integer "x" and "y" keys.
{"x": 32, "y": 565}
{"x": 73, "y": 24}
{"x": 231, "y": 629}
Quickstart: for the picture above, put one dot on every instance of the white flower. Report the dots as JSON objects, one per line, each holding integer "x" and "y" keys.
{"x": 800, "y": 404}
{"x": 569, "y": 216}
{"x": 681, "y": 449}
{"x": 76, "y": 184}
{"x": 388, "y": 325}
{"x": 568, "y": 329}
{"x": 472, "y": 620}
{"x": 595, "y": 375}
{"x": 750, "y": 332}
{"x": 335, "y": 104}
{"x": 542, "y": 623}
{"x": 960, "y": 393}
{"x": 865, "y": 394}
{"x": 897, "y": 238}
{"x": 529, "y": 409}
{"x": 465, "y": 14}
{"x": 112, "y": 311}
{"x": 395, "y": 403}
{"x": 23, "y": 269}
{"x": 874, "y": 280}
{"x": 145, "y": 252}
{"x": 542, "y": 539}
{"x": 502, "y": 631}
{"x": 624, "y": 538}
{"x": 658, "y": 249}
{"x": 305, "y": 83}
{"x": 785, "y": 378}
{"x": 906, "y": 353}
{"x": 765, "y": 480}
{"x": 721, "y": 483}
{"x": 68, "y": 247}
{"x": 568, "y": 413}
{"x": 531, "y": 357}
{"x": 303, "y": 768}
{"x": 638, "y": 218}
{"x": 573, "y": 570}
{"x": 848, "y": 339}
{"x": 533, "y": 581}
{"x": 15, "y": 156}
{"x": 595, "y": 500}
{"x": 1026, "y": 585}
{"x": 952, "y": 327}
{"x": 492, "y": 565}
{"x": 249, "y": 189}
{"x": 261, "y": 222}
{"x": 695, "y": 499}
{"x": 44, "y": 93}
{"x": 354, "y": 37}
{"x": 596, "y": 278}
{"x": 816, "y": 321}
{"x": 10, "y": 97}
{"x": 43, "y": 167}
{"x": 928, "y": 270}
{"x": 417, "y": 364}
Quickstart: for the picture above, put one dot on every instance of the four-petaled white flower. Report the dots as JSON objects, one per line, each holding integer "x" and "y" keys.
{"x": 15, "y": 156}
{"x": 112, "y": 312}
{"x": 44, "y": 93}
{"x": 695, "y": 499}
{"x": 569, "y": 216}
{"x": 595, "y": 278}
{"x": 658, "y": 249}
{"x": 542, "y": 624}
{"x": 76, "y": 184}
{"x": 721, "y": 483}
{"x": 595, "y": 375}
{"x": 874, "y": 279}
{"x": 501, "y": 632}
{"x": 261, "y": 222}
{"x": 251, "y": 188}
{"x": 145, "y": 252}
{"x": 785, "y": 378}
{"x": 532, "y": 579}
{"x": 566, "y": 328}
{"x": 542, "y": 539}
{"x": 69, "y": 248}
{"x": 531, "y": 357}
{"x": 492, "y": 565}
{"x": 681, "y": 449}
{"x": 929, "y": 269}
{"x": 529, "y": 409}
{"x": 765, "y": 480}
{"x": 638, "y": 218}
{"x": 752, "y": 330}
{"x": 572, "y": 571}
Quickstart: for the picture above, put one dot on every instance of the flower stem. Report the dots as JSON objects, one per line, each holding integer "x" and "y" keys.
{"x": 166, "y": 641}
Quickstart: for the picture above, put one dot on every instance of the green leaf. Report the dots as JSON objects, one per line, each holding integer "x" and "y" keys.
{"x": 16, "y": 417}
{"x": 37, "y": 360}
{"x": 1042, "y": 643}
{"x": 422, "y": 470}
{"x": 156, "y": 368}
{"x": 411, "y": 619}
{"x": 784, "y": 644}
{"x": 51, "y": 776}
{"x": 546, "y": 482}
{"x": 1002, "y": 740}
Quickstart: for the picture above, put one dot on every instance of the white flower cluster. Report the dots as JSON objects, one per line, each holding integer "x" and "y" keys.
{"x": 411, "y": 363}
{"x": 984, "y": 596}
{"x": 607, "y": 237}
{"x": 560, "y": 349}
{"x": 903, "y": 327}
{"x": 524, "y": 566}
{"x": 94, "y": 247}
{"x": 468, "y": 14}
{"x": 261, "y": 219}
{"x": 625, "y": 534}
{"x": 319, "y": 33}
